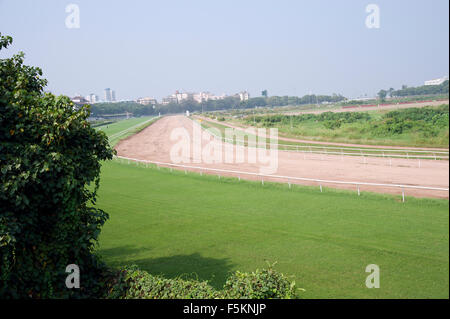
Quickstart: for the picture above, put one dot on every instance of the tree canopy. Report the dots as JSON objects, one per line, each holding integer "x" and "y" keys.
{"x": 50, "y": 160}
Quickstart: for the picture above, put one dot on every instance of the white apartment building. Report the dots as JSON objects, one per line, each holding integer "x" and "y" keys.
{"x": 92, "y": 98}
{"x": 199, "y": 97}
{"x": 183, "y": 96}
{"x": 79, "y": 100}
{"x": 244, "y": 95}
{"x": 147, "y": 101}
{"x": 169, "y": 99}
{"x": 436, "y": 81}
{"x": 202, "y": 97}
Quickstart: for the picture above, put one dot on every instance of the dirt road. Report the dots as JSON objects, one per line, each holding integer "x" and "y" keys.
{"x": 154, "y": 143}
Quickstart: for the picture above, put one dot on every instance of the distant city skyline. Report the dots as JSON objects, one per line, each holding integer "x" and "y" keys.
{"x": 144, "y": 49}
{"x": 204, "y": 95}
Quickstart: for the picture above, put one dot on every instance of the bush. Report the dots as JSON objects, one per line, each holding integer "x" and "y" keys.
{"x": 132, "y": 283}
{"x": 261, "y": 284}
{"x": 49, "y": 154}
{"x": 332, "y": 124}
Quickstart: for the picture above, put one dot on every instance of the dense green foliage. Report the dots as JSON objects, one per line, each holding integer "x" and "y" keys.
{"x": 427, "y": 126}
{"x": 132, "y": 283}
{"x": 395, "y": 100}
{"x": 422, "y": 90}
{"x": 329, "y": 119}
{"x": 428, "y": 121}
{"x": 231, "y": 102}
{"x": 324, "y": 240}
{"x": 261, "y": 284}
{"x": 49, "y": 154}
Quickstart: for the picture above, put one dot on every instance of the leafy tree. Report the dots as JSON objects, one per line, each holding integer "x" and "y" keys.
{"x": 422, "y": 90}
{"x": 390, "y": 91}
{"x": 382, "y": 94}
{"x": 264, "y": 93}
{"x": 50, "y": 161}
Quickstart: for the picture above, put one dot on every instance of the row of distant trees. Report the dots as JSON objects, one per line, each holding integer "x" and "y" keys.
{"x": 230, "y": 102}
{"x": 418, "y": 90}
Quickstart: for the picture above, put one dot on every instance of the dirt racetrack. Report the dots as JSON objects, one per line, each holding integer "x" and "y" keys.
{"x": 369, "y": 108}
{"x": 154, "y": 143}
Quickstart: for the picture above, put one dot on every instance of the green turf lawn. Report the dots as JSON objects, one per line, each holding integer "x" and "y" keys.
{"x": 198, "y": 226}
{"x": 356, "y": 132}
{"x": 212, "y": 127}
{"x": 113, "y": 130}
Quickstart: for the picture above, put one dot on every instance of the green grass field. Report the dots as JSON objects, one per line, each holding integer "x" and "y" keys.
{"x": 124, "y": 128}
{"x": 198, "y": 226}
{"x": 358, "y": 132}
{"x": 212, "y": 127}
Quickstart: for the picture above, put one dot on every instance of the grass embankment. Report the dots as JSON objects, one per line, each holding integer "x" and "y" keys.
{"x": 413, "y": 127}
{"x": 218, "y": 130}
{"x": 174, "y": 224}
{"x": 122, "y": 129}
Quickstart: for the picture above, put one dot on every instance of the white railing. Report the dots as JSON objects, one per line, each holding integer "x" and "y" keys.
{"x": 116, "y": 135}
{"x": 309, "y": 149}
{"x": 288, "y": 178}
{"x": 416, "y": 154}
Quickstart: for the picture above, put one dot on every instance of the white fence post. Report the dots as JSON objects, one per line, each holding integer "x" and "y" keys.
{"x": 288, "y": 178}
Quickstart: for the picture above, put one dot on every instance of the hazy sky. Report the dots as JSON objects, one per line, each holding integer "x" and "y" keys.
{"x": 151, "y": 48}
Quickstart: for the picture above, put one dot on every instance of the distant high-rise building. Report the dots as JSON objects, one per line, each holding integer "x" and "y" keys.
{"x": 113, "y": 95}
{"x": 92, "y": 98}
{"x": 108, "y": 95}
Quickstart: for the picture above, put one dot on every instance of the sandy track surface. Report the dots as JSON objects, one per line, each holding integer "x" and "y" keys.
{"x": 154, "y": 143}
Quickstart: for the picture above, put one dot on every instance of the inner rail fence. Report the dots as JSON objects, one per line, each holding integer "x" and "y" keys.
{"x": 320, "y": 182}
{"x": 129, "y": 129}
{"x": 374, "y": 152}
